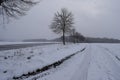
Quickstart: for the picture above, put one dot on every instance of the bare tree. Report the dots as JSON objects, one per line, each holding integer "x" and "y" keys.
{"x": 72, "y": 35}
{"x": 76, "y": 37}
{"x": 14, "y": 8}
{"x": 62, "y": 23}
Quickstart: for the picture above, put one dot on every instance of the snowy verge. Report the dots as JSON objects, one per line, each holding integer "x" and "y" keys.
{"x": 50, "y": 66}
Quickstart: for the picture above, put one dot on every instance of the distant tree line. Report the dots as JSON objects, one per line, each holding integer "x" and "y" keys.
{"x": 101, "y": 40}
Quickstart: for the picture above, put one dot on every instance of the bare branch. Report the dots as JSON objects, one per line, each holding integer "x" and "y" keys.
{"x": 15, "y": 8}
{"x": 62, "y": 22}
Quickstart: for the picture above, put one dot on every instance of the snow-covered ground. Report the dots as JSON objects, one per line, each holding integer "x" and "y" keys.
{"x": 12, "y": 43}
{"x": 96, "y": 62}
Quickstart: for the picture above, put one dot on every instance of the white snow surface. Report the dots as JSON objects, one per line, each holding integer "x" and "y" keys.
{"x": 96, "y": 62}
{"x": 12, "y": 43}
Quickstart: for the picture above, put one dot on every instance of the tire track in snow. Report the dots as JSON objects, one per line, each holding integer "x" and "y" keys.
{"x": 97, "y": 65}
{"x": 110, "y": 53}
{"x": 108, "y": 66}
{"x": 98, "y": 68}
{"x": 82, "y": 71}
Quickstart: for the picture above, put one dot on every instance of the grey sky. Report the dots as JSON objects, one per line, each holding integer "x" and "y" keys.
{"x": 94, "y": 18}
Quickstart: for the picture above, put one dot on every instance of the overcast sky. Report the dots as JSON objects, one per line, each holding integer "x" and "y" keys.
{"x": 93, "y": 18}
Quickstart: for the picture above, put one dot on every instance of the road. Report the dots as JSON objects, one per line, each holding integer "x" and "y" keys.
{"x": 95, "y": 63}
{"x": 98, "y": 64}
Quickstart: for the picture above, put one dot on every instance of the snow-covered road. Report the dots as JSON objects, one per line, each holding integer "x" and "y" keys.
{"x": 103, "y": 65}
{"x": 97, "y": 62}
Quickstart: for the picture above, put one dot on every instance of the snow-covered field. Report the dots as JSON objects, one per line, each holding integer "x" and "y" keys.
{"x": 96, "y": 62}
{"x": 12, "y": 43}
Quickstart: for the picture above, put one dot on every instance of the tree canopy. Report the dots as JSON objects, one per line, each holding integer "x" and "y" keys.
{"x": 62, "y": 23}
{"x": 14, "y": 8}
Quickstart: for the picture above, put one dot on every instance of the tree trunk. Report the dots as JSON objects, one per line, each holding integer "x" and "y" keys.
{"x": 63, "y": 37}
